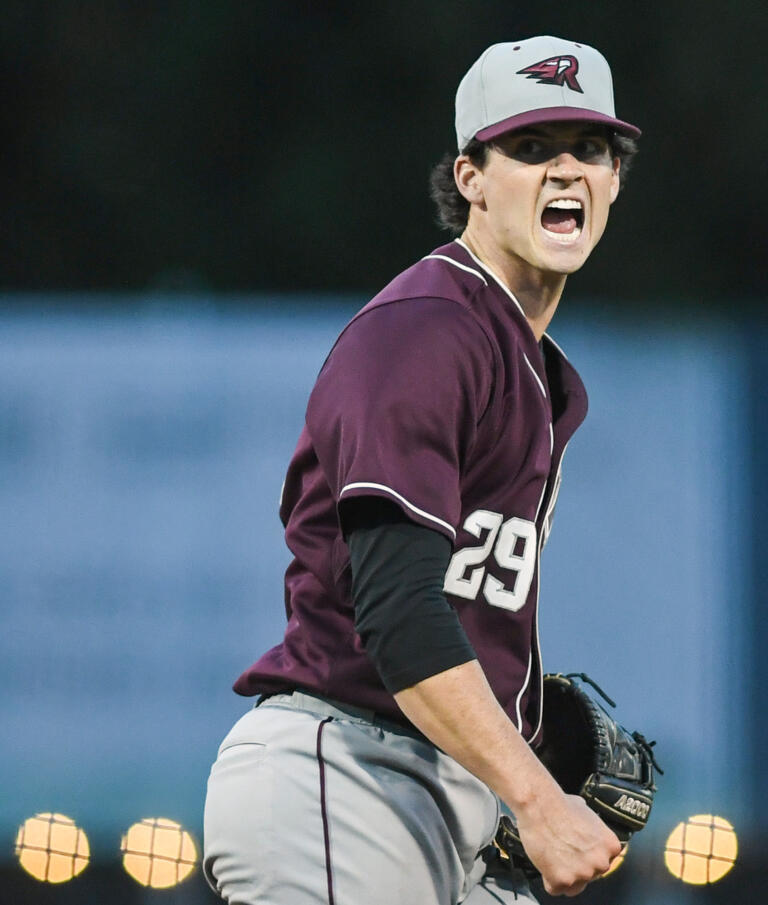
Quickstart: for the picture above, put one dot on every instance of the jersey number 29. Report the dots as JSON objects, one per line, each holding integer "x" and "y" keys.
{"x": 513, "y": 545}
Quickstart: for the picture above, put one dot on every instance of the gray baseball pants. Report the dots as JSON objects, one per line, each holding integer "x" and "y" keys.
{"x": 312, "y": 802}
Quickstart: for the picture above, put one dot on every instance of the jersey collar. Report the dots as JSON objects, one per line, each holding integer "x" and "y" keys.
{"x": 490, "y": 273}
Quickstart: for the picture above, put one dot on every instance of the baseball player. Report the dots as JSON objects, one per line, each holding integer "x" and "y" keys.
{"x": 401, "y": 712}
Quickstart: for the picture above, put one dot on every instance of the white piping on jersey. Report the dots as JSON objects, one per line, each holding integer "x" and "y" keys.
{"x": 553, "y": 498}
{"x": 538, "y": 591}
{"x": 455, "y": 264}
{"x": 551, "y": 439}
{"x": 537, "y": 730}
{"x": 533, "y": 371}
{"x": 369, "y": 486}
{"x": 488, "y": 270}
{"x": 501, "y": 283}
{"x": 520, "y": 693}
{"x": 556, "y": 346}
{"x": 508, "y": 291}
{"x": 541, "y": 500}
{"x": 538, "y": 641}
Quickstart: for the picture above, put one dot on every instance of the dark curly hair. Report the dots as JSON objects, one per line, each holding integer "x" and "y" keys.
{"x": 453, "y": 207}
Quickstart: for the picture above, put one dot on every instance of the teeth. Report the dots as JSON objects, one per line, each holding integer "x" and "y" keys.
{"x": 566, "y": 204}
{"x": 565, "y": 238}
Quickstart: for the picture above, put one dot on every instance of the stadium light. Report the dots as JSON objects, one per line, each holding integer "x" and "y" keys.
{"x": 52, "y": 848}
{"x": 158, "y": 852}
{"x": 701, "y": 850}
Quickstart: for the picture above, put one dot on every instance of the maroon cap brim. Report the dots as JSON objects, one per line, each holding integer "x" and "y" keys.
{"x": 556, "y": 115}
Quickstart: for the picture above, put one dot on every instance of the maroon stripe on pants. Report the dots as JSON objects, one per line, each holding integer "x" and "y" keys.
{"x": 323, "y": 809}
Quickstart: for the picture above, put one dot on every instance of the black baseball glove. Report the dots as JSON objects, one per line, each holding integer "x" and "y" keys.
{"x": 590, "y": 755}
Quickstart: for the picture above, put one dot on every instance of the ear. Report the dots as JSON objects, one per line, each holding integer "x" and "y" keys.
{"x": 469, "y": 179}
{"x": 615, "y": 183}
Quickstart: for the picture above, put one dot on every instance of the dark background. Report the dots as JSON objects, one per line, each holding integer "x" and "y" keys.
{"x": 232, "y": 151}
{"x": 228, "y": 145}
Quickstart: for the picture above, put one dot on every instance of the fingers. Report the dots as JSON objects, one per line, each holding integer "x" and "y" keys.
{"x": 572, "y": 885}
{"x": 569, "y": 878}
{"x": 569, "y": 884}
{"x": 561, "y": 890}
{"x": 616, "y": 860}
{"x": 569, "y": 844}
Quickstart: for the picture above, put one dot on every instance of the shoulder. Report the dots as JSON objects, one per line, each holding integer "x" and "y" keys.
{"x": 438, "y": 297}
{"x": 444, "y": 273}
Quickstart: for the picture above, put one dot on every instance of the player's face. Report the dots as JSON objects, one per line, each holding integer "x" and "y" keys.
{"x": 546, "y": 192}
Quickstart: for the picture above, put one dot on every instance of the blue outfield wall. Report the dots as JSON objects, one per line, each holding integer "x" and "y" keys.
{"x": 141, "y": 458}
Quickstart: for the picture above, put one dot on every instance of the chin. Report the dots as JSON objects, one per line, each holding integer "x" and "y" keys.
{"x": 577, "y": 265}
{"x": 565, "y": 264}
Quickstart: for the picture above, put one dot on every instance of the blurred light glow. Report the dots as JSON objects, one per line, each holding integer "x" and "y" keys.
{"x": 52, "y": 848}
{"x": 158, "y": 852}
{"x": 701, "y": 850}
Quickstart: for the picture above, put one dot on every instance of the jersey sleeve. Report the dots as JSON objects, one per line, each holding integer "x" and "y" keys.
{"x": 395, "y": 409}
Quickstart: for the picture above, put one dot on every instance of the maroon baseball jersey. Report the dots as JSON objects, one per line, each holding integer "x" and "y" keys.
{"x": 438, "y": 397}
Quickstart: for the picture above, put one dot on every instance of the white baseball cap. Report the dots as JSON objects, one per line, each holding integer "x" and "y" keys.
{"x": 539, "y": 80}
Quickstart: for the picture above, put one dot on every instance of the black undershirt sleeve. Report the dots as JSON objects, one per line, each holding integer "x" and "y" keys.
{"x": 407, "y": 626}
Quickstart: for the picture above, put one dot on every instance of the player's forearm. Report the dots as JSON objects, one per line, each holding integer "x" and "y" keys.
{"x": 458, "y": 712}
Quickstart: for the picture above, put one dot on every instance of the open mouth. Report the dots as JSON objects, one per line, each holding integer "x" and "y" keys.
{"x": 563, "y": 218}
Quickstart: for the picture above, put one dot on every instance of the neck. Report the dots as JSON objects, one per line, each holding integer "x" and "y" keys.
{"x": 537, "y": 291}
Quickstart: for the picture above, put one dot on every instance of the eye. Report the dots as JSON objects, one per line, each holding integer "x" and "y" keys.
{"x": 530, "y": 147}
{"x": 590, "y": 148}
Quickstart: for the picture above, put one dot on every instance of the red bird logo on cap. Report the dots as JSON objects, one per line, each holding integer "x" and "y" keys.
{"x": 554, "y": 71}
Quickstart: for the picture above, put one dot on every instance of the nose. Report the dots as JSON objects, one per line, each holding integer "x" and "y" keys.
{"x": 565, "y": 168}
